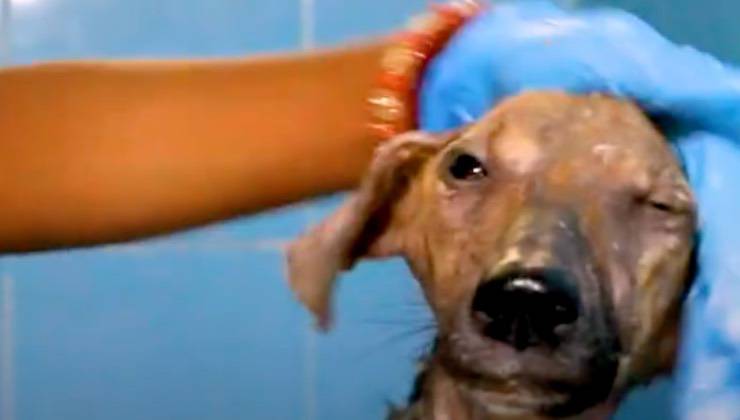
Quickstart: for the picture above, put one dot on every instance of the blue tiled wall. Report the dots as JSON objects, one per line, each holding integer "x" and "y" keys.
{"x": 710, "y": 25}
{"x": 200, "y": 325}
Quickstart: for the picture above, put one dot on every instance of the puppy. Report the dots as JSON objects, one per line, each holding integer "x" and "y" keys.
{"x": 553, "y": 240}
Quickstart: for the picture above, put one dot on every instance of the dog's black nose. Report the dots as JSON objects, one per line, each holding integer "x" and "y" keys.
{"x": 526, "y": 308}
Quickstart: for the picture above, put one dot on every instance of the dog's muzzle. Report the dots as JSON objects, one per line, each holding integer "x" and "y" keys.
{"x": 527, "y": 308}
{"x": 544, "y": 287}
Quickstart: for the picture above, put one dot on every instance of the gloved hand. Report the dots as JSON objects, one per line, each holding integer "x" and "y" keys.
{"x": 535, "y": 44}
{"x": 528, "y": 45}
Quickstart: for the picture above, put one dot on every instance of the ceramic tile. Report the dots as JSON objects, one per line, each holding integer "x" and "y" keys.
{"x": 72, "y": 29}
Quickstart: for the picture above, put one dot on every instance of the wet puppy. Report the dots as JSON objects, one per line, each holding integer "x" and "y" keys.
{"x": 552, "y": 239}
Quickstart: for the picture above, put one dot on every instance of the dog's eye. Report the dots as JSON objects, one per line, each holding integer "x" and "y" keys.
{"x": 660, "y": 206}
{"x": 466, "y": 167}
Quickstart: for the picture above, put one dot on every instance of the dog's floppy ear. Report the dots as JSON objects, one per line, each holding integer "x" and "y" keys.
{"x": 360, "y": 227}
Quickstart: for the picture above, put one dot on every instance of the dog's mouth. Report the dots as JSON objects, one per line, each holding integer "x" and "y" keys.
{"x": 527, "y": 346}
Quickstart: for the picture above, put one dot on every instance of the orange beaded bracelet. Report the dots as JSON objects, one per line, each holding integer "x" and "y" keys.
{"x": 393, "y": 103}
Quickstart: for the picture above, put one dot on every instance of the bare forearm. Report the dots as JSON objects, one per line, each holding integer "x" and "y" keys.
{"x": 93, "y": 153}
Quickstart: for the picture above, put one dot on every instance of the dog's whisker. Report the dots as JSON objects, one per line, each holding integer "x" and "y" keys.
{"x": 399, "y": 337}
{"x": 400, "y": 321}
{"x": 406, "y": 304}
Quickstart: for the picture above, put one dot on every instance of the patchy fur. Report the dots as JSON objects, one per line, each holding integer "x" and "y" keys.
{"x": 582, "y": 188}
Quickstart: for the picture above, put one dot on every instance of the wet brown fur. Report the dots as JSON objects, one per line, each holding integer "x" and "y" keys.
{"x": 592, "y": 167}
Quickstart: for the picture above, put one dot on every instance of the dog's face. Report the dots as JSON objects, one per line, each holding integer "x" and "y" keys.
{"x": 552, "y": 239}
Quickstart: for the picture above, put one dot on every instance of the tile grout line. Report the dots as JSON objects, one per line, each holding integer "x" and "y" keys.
{"x": 7, "y": 344}
{"x": 311, "y": 361}
{"x": 310, "y": 345}
{"x": 308, "y": 24}
{"x": 310, "y": 400}
{"x": 5, "y": 10}
{"x": 7, "y": 292}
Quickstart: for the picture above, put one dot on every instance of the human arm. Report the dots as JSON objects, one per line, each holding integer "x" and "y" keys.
{"x": 97, "y": 152}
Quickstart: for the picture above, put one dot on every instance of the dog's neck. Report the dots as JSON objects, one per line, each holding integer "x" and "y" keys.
{"x": 440, "y": 397}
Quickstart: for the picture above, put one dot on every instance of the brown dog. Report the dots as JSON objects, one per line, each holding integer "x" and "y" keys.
{"x": 552, "y": 239}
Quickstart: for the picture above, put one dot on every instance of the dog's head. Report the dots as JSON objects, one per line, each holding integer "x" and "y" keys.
{"x": 552, "y": 239}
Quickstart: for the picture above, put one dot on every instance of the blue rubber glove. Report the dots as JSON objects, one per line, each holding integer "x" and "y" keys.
{"x": 530, "y": 45}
